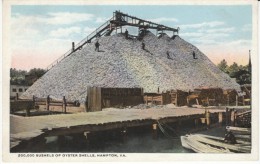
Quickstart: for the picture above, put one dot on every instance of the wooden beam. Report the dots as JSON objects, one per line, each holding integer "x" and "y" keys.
{"x": 236, "y": 100}
{"x": 196, "y": 122}
{"x": 232, "y": 117}
{"x": 64, "y": 104}
{"x": 124, "y": 134}
{"x": 48, "y": 103}
{"x": 155, "y": 131}
{"x": 207, "y": 115}
{"x": 220, "y": 118}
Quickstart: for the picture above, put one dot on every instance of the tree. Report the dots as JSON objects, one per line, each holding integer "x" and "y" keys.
{"x": 22, "y": 77}
{"x": 242, "y": 77}
{"x": 233, "y": 69}
{"x": 242, "y": 74}
{"x": 33, "y": 75}
{"x": 223, "y": 66}
{"x": 37, "y": 72}
{"x": 17, "y": 77}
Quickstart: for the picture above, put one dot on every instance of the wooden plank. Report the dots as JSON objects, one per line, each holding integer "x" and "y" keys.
{"x": 97, "y": 127}
{"x": 243, "y": 137}
{"x": 243, "y": 113}
{"x": 55, "y": 104}
{"x": 239, "y": 130}
{"x": 220, "y": 118}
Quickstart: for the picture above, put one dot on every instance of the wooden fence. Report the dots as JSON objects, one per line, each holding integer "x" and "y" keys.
{"x": 176, "y": 97}
{"x": 51, "y": 102}
{"x": 28, "y": 104}
{"x": 157, "y": 98}
{"x": 98, "y": 98}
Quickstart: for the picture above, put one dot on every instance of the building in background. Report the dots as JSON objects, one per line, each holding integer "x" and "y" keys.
{"x": 17, "y": 89}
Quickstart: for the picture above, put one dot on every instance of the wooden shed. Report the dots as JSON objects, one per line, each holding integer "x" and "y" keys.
{"x": 98, "y": 98}
{"x": 206, "y": 96}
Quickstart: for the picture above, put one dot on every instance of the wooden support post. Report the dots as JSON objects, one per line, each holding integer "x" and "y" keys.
{"x": 178, "y": 126}
{"x": 236, "y": 100}
{"x": 235, "y": 118}
{"x": 196, "y": 121}
{"x": 124, "y": 135}
{"x": 232, "y": 117}
{"x": 64, "y": 104}
{"x": 33, "y": 99}
{"x": 86, "y": 134}
{"x": 16, "y": 96}
{"x": 48, "y": 103}
{"x": 197, "y": 102}
{"x": 208, "y": 118}
{"x": 86, "y": 104}
{"x": 227, "y": 117}
{"x": 155, "y": 131}
{"x": 61, "y": 142}
{"x": 176, "y": 99}
{"x": 243, "y": 101}
{"x": 228, "y": 100}
{"x": 220, "y": 118}
{"x": 87, "y": 137}
{"x": 188, "y": 102}
{"x": 27, "y": 112}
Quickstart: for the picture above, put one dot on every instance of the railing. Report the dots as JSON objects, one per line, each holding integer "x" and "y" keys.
{"x": 59, "y": 59}
{"x": 93, "y": 34}
{"x": 81, "y": 43}
{"x": 98, "y": 32}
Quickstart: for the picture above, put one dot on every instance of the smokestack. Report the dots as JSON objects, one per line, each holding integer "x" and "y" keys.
{"x": 73, "y": 46}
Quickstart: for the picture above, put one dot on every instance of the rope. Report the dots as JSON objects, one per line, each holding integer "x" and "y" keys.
{"x": 167, "y": 126}
{"x": 165, "y": 132}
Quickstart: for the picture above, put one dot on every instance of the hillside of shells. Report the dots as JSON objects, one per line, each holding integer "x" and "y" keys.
{"x": 165, "y": 62}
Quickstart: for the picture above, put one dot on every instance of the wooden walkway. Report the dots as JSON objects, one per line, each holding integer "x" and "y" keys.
{"x": 26, "y": 128}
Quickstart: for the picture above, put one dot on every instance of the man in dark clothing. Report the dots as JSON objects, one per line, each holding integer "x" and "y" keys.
{"x": 143, "y": 45}
{"x": 126, "y": 34}
{"x": 193, "y": 53}
{"x": 97, "y": 46}
{"x": 230, "y": 138}
{"x": 168, "y": 55}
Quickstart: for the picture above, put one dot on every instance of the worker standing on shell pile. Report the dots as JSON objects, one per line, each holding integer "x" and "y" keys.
{"x": 193, "y": 53}
{"x": 143, "y": 45}
{"x": 97, "y": 46}
{"x": 168, "y": 55}
{"x": 126, "y": 34}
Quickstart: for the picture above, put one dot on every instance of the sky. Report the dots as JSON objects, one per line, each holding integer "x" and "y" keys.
{"x": 42, "y": 33}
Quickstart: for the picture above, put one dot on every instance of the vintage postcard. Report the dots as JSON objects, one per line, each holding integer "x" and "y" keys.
{"x": 129, "y": 80}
